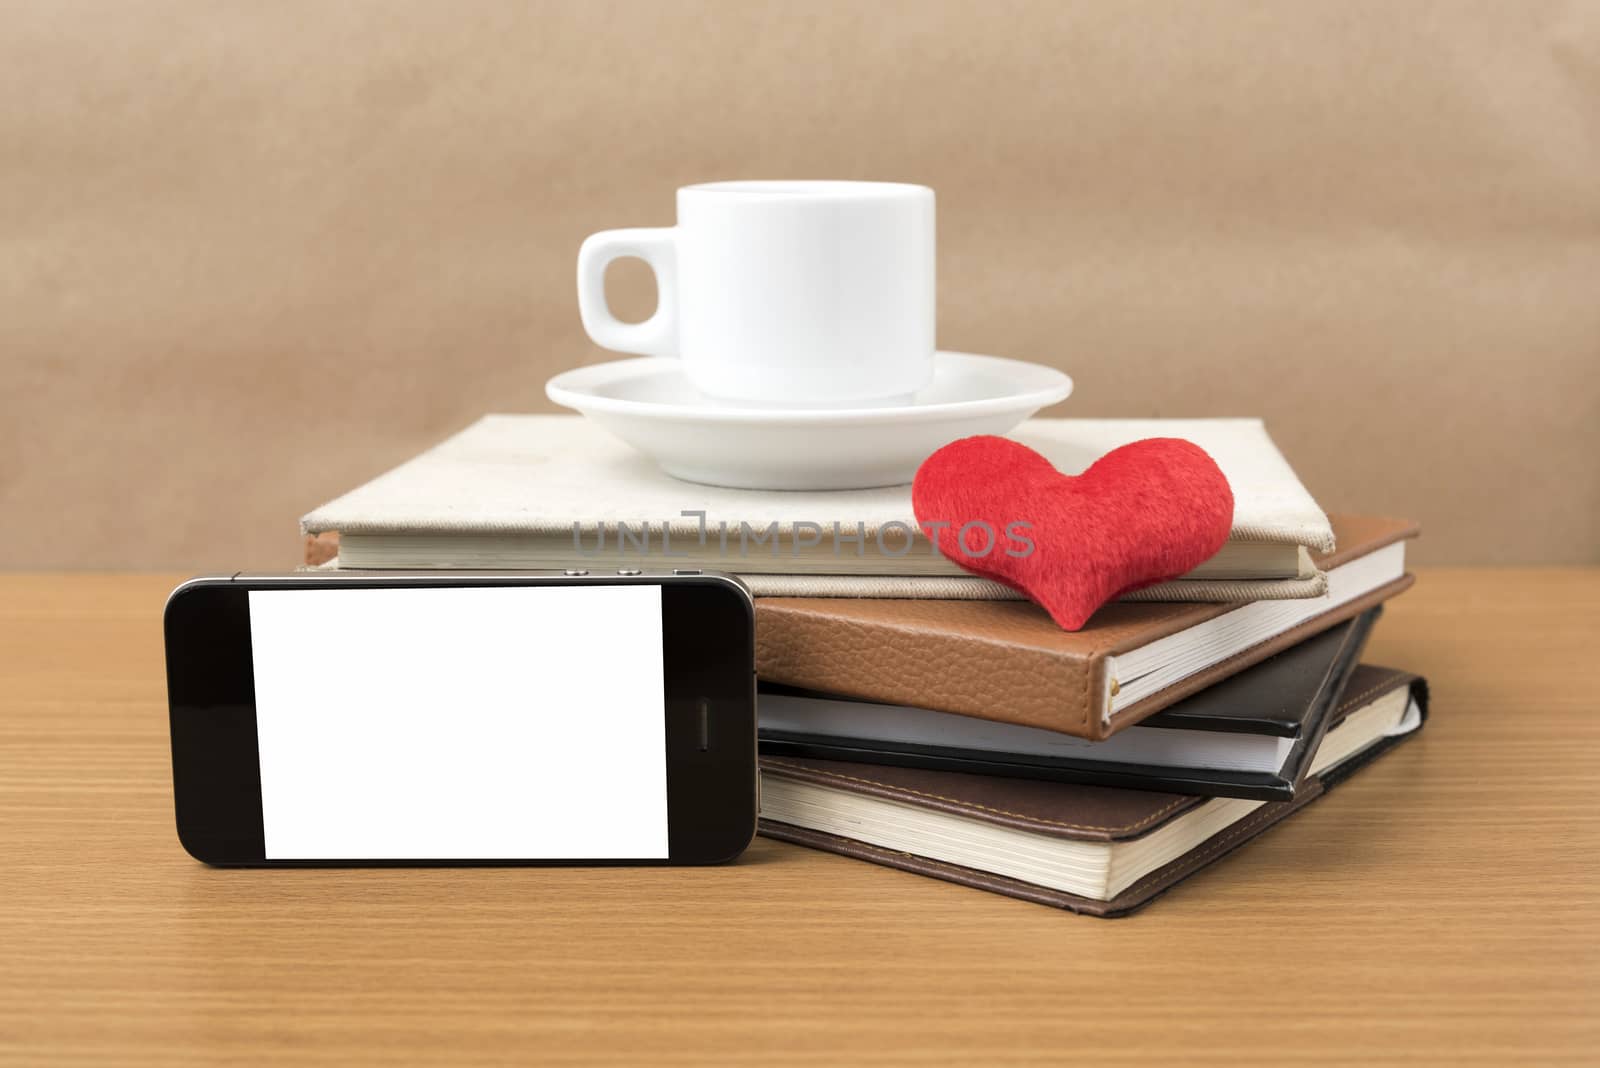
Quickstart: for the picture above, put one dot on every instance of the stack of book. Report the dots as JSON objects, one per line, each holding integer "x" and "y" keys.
{"x": 924, "y": 719}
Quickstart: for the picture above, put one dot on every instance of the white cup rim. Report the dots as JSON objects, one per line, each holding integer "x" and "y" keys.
{"x": 808, "y": 189}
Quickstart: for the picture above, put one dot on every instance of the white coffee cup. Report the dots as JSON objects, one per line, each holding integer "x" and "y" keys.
{"x": 795, "y": 294}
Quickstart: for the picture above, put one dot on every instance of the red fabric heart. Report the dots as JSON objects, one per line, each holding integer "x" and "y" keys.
{"x": 1143, "y": 513}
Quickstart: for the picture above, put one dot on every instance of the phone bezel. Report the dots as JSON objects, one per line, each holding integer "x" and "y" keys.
{"x": 711, "y": 792}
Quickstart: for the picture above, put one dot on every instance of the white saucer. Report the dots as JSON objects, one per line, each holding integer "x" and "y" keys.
{"x": 648, "y": 403}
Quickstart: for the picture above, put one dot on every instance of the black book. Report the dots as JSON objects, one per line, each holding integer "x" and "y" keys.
{"x": 1252, "y": 735}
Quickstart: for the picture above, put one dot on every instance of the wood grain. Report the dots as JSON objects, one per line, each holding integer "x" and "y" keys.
{"x": 1440, "y": 906}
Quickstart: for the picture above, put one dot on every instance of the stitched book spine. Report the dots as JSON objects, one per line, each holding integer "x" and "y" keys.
{"x": 950, "y": 671}
{"x": 974, "y": 671}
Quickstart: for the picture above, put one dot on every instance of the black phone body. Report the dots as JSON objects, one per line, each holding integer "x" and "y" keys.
{"x": 392, "y": 718}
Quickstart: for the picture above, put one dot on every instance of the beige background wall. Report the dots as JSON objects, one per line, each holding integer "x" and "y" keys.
{"x": 252, "y": 253}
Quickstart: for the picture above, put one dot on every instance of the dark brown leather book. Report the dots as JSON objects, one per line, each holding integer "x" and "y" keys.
{"x": 1093, "y": 849}
{"x": 1008, "y": 661}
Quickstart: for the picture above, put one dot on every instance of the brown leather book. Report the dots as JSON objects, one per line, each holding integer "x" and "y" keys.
{"x": 1008, "y": 661}
{"x": 1092, "y": 849}
{"x": 1253, "y": 735}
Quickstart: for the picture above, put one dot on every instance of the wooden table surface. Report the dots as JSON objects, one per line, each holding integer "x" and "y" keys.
{"x": 1444, "y": 904}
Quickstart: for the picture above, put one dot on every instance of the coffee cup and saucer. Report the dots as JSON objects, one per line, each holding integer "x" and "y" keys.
{"x": 792, "y": 346}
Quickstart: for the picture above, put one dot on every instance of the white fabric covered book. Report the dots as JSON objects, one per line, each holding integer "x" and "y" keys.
{"x": 554, "y": 491}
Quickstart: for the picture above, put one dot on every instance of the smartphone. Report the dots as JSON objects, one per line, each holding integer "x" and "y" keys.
{"x": 463, "y": 718}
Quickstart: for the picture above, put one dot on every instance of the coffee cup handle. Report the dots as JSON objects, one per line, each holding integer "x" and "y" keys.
{"x": 657, "y": 335}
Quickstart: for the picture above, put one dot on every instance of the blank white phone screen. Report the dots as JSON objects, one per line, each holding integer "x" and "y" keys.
{"x": 491, "y": 723}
